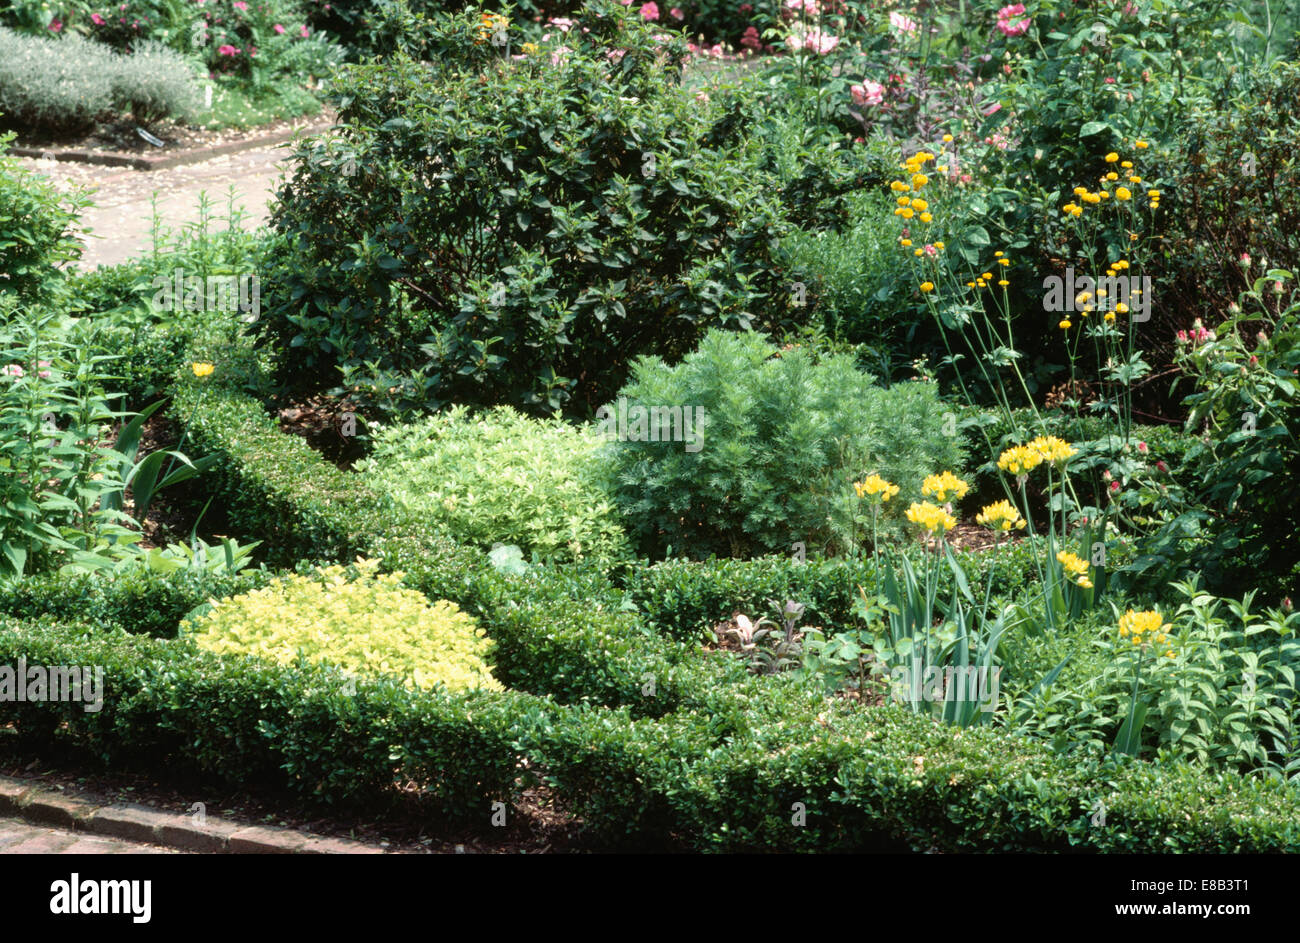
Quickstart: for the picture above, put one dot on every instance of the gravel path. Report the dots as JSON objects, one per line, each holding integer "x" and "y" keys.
{"x": 117, "y": 226}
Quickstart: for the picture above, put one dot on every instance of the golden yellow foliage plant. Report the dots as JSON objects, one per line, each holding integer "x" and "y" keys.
{"x": 366, "y": 624}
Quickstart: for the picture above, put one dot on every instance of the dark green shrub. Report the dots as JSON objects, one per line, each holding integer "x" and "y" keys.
{"x": 491, "y": 231}
{"x": 36, "y": 223}
{"x": 784, "y": 438}
{"x": 139, "y": 601}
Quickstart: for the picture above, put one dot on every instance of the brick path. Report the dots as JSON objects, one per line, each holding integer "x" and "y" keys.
{"x": 21, "y": 838}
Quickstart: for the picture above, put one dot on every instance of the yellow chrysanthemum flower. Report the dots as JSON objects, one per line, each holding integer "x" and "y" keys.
{"x": 202, "y": 370}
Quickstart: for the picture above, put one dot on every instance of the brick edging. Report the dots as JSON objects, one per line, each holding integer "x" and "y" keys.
{"x": 19, "y": 798}
{"x": 192, "y": 156}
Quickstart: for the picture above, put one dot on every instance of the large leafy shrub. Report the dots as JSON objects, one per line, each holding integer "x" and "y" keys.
{"x": 785, "y": 436}
{"x": 501, "y": 477}
{"x": 491, "y": 229}
{"x": 367, "y": 624}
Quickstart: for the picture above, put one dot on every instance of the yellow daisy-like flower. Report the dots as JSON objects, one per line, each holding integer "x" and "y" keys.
{"x": 1141, "y": 145}
{"x": 932, "y": 518}
{"x": 1003, "y": 282}
{"x": 904, "y": 242}
{"x": 939, "y": 486}
{"x": 1064, "y": 325}
{"x": 1112, "y": 157}
{"x": 528, "y": 48}
{"x": 926, "y": 217}
{"x": 927, "y": 286}
{"x": 918, "y": 204}
{"x": 1134, "y": 179}
{"x": 1123, "y": 193}
{"x": 1127, "y": 164}
{"x": 1002, "y": 516}
{"x": 875, "y": 487}
{"x": 202, "y": 370}
{"x": 918, "y": 252}
{"x": 919, "y": 180}
{"x": 939, "y": 246}
{"x": 947, "y": 138}
{"x": 1110, "y": 317}
{"x": 907, "y": 212}
{"x": 904, "y": 201}
{"x": 1112, "y": 176}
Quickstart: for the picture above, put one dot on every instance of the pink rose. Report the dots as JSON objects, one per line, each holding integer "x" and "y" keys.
{"x": 1010, "y": 27}
{"x": 56, "y": 25}
{"x": 304, "y": 32}
{"x": 676, "y": 14}
{"x": 240, "y": 5}
{"x": 868, "y": 93}
{"x": 96, "y": 19}
{"x": 902, "y": 23}
{"x": 816, "y": 41}
{"x": 563, "y": 22}
{"x": 278, "y": 29}
{"x": 1142, "y": 447}
{"x": 650, "y": 11}
{"x": 227, "y": 50}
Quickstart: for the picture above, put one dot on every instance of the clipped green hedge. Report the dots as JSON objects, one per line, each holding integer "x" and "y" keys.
{"x": 138, "y": 601}
{"x": 168, "y": 704}
{"x": 726, "y": 777}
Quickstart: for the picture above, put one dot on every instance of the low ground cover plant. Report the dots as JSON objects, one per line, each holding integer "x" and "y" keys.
{"x": 364, "y": 623}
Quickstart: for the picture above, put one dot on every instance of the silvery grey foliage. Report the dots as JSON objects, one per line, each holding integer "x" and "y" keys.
{"x": 68, "y": 84}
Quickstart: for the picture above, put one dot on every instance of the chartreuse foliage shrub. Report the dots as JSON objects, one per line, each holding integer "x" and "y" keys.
{"x": 785, "y": 435}
{"x": 489, "y": 230}
{"x": 367, "y": 624}
{"x": 300, "y": 729}
{"x": 500, "y": 477}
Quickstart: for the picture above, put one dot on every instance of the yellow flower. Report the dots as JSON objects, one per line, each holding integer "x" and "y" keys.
{"x": 528, "y": 48}
{"x": 1123, "y": 193}
{"x": 1053, "y": 449}
{"x": 1112, "y": 176}
{"x": 918, "y": 252}
{"x": 1127, "y": 165}
{"x": 1003, "y": 282}
{"x": 1154, "y": 194}
{"x": 927, "y": 286}
{"x": 932, "y": 518}
{"x": 202, "y": 370}
{"x": 1110, "y": 317}
{"x": 1142, "y": 627}
{"x": 1000, "y": 516}
{"x": 918, "y": 204}
{"x": 938, "y": 486}
{"x": 873, "y": 486}
{"x": 1004, "y": 261}
{"x": 1112, "y": 157}
{"x": 1019, "y": 460}
{"x": 1076, "y": 568}
{"x": 1141, "y": 145}
{"x": 947, "y": 138}
{"x": 904, "y": 201}
{"x": 1134, "y": 179}
{"x": 905, "y": 242}
{"x": 919, "y": 180}
{"x": 906, "y": 212}
{"x": 997, "y": 255}
{"x": 926, "y": 217}
{"x": 939, "y": 246}
{"x": 1064, "y": 325}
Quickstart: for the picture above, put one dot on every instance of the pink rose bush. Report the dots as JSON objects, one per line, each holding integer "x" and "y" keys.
{"x": 1010, "y": 26}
